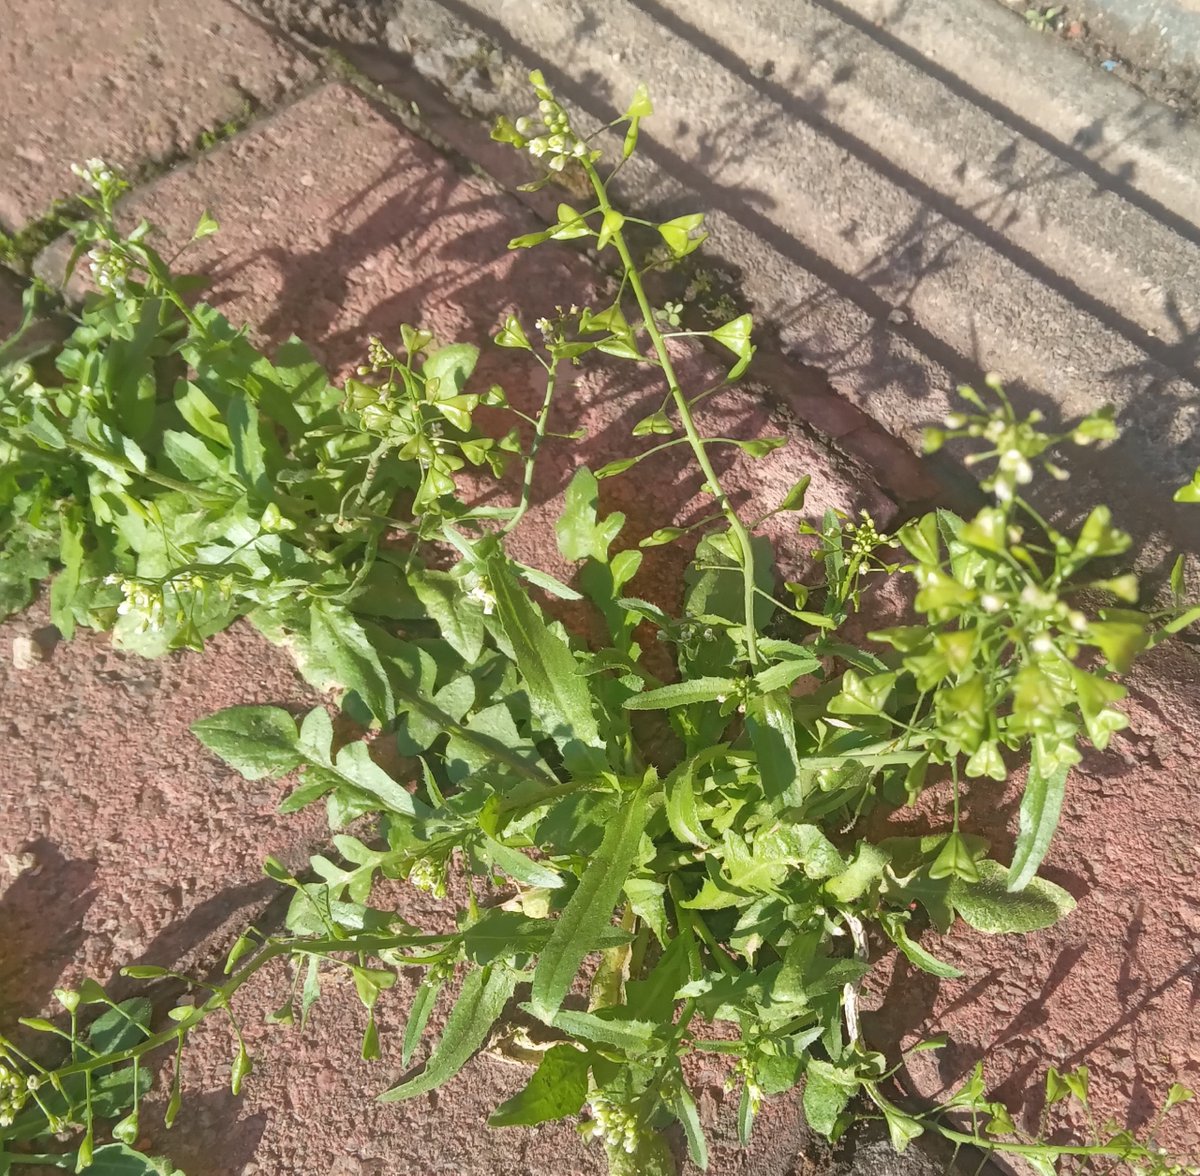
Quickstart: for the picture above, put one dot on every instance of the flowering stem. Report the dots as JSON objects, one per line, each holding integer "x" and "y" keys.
{"x": 683, "y": 407}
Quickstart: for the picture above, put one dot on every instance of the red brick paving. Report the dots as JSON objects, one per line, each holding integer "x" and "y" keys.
{"x": 129, "y": 82}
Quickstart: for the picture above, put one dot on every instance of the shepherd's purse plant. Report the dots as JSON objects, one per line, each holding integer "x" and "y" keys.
{"x": 654, "y": 847}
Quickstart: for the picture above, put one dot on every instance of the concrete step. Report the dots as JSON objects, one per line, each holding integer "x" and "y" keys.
{"x": 911, "y": 195}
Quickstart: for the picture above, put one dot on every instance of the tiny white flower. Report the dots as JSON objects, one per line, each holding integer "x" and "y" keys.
{"x": 990, "y": 602}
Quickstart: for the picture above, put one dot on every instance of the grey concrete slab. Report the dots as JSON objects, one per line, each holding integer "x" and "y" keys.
{"x": 1156, "y": 43}
{"x": 911, "y": 194}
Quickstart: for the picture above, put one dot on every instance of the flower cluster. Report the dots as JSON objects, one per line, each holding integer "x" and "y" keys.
{"x": 96, "y": 173}
{"x": 616, "y": 1124}
{"x": 146, "y": 601}
{"x": 1017, "y": 442}
{"x": 479, "y": 591}
{"x": 554, "y": 138}
{"x": 428, "y": 876}
{"x": 864, "y": 536}
{"x": 744, "y": 1069}
{"x": 560, "y": 143}
{"x": 14, "y": 1092}
{"x": 142, "y": 600}
{"x": 378, "y": 356}
{"x": 109, "y": 268}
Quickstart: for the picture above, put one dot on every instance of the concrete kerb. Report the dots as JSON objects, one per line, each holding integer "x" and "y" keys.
{"x": 1058, "y": 251}
{"x": 1152, "y": 44}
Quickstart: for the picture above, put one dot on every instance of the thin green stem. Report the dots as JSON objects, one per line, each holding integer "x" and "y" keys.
{"x": 539, "y": 433}
{"x": 685, "y": 415}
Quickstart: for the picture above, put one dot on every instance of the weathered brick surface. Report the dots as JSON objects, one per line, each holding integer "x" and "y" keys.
{"x": 129, "y": 82}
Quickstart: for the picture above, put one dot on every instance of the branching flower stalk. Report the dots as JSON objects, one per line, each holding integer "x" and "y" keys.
{"x": 712, "y": 485}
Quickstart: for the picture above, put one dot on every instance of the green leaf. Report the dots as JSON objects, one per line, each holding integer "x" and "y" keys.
{"x": 782, "y": 674}
{"x": 512, "y": 334}
{"x": 613, "y": 220}
{"x": 1041, "y": 804}
{"x": 503, "y": 131}
{"x": 256, "y": 741}
{"x": 1119, "y": 641}
{"x": 516, "y": 865}
{"x": 484, "y": 994}
{"x": 772, "y": 728}
{"x": 915, "y": 954}
{"x": 868, "y": 865}
{"x": 682, "y": 815}
{"x": 120, "y": 1027}
{"x": 1176, "y": 1095}
{"x": 761, "y": 446}
{"x": 616, "y": 467}
{"x": 920, "y": 537}
{"x": 205, "y": 226}
{"x": 794, "y": 499}
{"x": 557, "y": 690}
{"x": 355, "y": 765}
{"x": 956, "y": 859}
{"x": 352, "y": 769}
{"x": 580, "y": 533}
{"x": 735, "y": 335}
{"x": 701, "y": 689}
{"x": 571, "y": 225}
{"x": 677, "y": 233}
{"x": 192, "y": 457}
{"x": 827, "y": 1093}
{"x": 590, "y": 908}
{"x": 342, "y": 649}
{"x": 862, "y": 696}
{"x": 608, "y": 1027}
{"x": 451, "y": 366}
{"x": 989, "y": 905}
{"x": 459, "y": 619}
{"x": 249, "y": 459}
{"x": 902, "y": 1128}
{"x": 65, "y": 586}
{"x": 640, "y": 105}
{"x": 662, "y": 536}
{"x": 639, "y": 109}
{"x": 418, "y": 1016}
{"x": 118, "y": 1159}
{"x": 685, "y": 1110}
{"x": 558, "y": 1088}
{"x": 1190, "y": 492}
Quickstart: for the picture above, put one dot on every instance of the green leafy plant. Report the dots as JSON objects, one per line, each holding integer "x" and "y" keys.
{"x": 1045, "y": 19}
{"x": 647, "y": 860}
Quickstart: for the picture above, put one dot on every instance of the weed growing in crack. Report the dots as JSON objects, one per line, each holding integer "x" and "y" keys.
{"x": 643, "y": 869}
